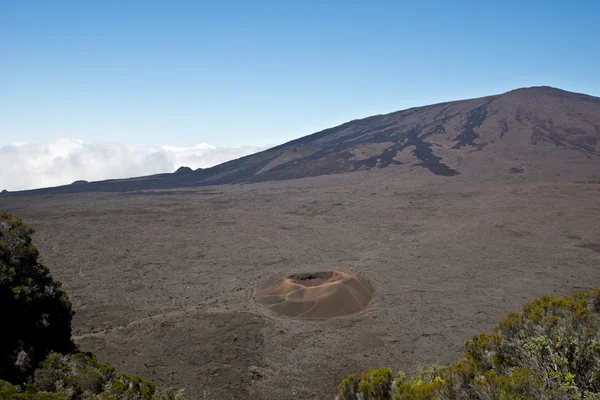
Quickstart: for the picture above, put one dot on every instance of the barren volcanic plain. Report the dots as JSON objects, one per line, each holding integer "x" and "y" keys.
{"x": 168, "y": 283}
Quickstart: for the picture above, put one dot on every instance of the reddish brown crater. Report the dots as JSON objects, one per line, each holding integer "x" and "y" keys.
{"x": 318, "y": 295}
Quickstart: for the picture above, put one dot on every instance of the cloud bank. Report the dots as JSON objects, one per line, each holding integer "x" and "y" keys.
{"x": 36, "y": 165}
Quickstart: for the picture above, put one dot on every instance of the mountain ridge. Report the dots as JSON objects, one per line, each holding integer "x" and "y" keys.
{"x": 525, "y": 125}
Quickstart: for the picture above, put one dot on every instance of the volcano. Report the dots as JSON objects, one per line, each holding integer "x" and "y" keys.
{"x": 540, "y": 130}
{"x": 320, "y": 295}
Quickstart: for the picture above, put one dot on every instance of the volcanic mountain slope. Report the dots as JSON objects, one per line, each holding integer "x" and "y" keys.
{"x": 539, "y": 130}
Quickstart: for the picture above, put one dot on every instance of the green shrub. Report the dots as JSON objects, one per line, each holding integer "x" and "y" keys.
{"x": 36, "y": 313}
{"x": 376, "y": 384}
{"x": 348, "y": 389}
{"x": 549, "y": 351}
{"x": 81, "y": 376}
{"x": 424, "y": 385}
{"x": 13, "y": 392}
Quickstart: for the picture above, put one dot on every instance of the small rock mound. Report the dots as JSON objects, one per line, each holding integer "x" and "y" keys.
{"x": 79, "y": 182}
{"x": 184, "y": 170}
{"x": 318, "y": 295}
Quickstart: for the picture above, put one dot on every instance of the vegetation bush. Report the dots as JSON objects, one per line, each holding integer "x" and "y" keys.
{"x": 80, "y": 376}
{"x": 36, "y": 313}
{"x": 38, "y": 360}
{"x": 551, "y": 350}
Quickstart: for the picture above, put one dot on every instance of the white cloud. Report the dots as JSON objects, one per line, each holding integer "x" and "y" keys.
{"x": 35, "y": 165}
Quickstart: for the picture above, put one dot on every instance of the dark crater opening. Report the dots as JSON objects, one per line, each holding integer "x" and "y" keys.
{"x": 311, "y": 279}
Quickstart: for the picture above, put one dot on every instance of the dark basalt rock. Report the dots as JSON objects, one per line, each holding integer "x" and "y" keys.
{"x": 184, "y": 171}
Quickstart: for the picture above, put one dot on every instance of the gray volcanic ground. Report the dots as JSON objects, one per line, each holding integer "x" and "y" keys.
{"x": 455, "y": 213}
{"x": 165, "y": 283}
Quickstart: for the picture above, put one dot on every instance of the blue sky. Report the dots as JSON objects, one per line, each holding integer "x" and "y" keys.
{"x": 255, "y": 73}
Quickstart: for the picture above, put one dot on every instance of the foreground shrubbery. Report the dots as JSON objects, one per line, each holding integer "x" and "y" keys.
{"x": 549, "y": 351}
{"x": 35, "y": 313}
{"x": 81, "y": 376}
{"x": 38, "y": 360}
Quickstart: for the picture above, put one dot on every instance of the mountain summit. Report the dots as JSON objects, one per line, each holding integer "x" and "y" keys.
{"x": 541, "y": 130}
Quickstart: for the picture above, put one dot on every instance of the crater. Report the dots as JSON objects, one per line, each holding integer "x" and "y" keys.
{"x": 320, "y": 295}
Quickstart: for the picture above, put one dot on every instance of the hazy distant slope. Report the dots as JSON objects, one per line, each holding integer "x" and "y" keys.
{"x": 541, "y": 129}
